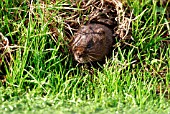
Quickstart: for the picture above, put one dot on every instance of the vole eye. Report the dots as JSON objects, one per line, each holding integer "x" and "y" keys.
{"x": 90, "y": 44}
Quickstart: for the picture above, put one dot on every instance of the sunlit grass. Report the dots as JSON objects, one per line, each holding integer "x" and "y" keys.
{"x": 44, "y": 78}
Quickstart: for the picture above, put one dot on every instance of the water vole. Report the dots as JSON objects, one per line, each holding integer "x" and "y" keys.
{"x": 92, "y": 42}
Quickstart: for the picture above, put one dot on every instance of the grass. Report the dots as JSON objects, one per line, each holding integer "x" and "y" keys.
{"x": 44, "y": 78}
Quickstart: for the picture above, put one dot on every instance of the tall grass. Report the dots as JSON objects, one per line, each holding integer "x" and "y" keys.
{"x": 43, "y": 77}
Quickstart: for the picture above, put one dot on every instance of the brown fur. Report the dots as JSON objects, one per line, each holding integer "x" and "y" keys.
{"x": 92, "y": 42}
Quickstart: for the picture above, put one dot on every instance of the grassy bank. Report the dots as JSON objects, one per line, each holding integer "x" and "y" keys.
{"x": 43, "y": 76}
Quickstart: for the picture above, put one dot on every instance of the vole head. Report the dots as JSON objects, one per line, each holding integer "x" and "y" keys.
{"x": 90, "y": 43}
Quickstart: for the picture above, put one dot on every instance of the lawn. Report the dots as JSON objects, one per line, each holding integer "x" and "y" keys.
{"x": 41, "y": 75}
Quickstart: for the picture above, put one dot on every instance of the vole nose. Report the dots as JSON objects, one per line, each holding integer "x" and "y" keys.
{"x": 79, "y": 54}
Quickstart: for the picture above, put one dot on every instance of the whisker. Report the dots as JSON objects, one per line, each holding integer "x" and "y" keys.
{"x": 91, "y": 62}
{"x": 91, "y": 57}
{"x": 94, "y": 54}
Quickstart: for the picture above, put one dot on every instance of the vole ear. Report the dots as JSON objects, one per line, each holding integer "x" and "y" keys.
{"x": 100, "y": 31}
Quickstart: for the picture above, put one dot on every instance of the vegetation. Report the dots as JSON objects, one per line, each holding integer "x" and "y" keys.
{"x": 43, "y": 77}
